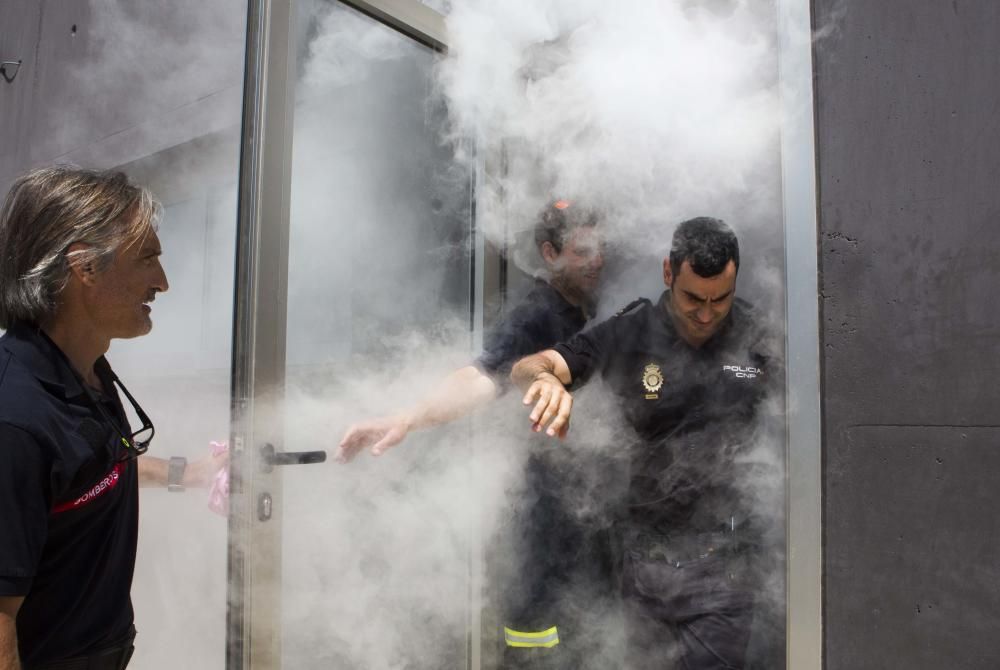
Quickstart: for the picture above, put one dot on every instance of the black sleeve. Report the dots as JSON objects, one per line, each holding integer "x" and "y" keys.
{"x": 497, "y": 351}
{"x": 587, "y": 352}
{"x": 24, "y": 509}
{"x": 517, "y": 336}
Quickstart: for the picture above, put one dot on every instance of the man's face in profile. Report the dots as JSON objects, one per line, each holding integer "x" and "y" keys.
{"x": 121, "y": 294}
{"x": 699, "y": 305}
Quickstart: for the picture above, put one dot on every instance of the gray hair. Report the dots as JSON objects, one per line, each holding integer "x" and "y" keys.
{"x": 49, "y": 209}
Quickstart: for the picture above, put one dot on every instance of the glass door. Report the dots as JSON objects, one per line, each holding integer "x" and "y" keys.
{"x": 357, "y": 266}
{"x": 364, "y": 276}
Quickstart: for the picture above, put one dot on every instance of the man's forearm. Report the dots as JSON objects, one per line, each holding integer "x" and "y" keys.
{"x": 153, "y": 471}
{"x": 8, "y": 652}
{"x": 8, "y": 645}
{"x": 8, "y": 633}
{"x": 460, "y": 393}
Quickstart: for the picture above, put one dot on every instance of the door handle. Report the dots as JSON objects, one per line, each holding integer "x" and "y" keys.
{"x": 269, "y": 457}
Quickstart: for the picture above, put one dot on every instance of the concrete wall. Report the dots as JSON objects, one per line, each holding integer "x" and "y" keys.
{"x": 908, "y": 104}
{"x": 104, "y": 83}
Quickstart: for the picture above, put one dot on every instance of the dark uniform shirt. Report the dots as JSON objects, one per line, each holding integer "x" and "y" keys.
{"x": 693, "y": 410}
{"x": 540, "y": 320}
{"x": 69, "y": 510}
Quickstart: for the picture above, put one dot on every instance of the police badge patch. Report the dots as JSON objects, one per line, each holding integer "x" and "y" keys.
{"x": 652, "y": 381}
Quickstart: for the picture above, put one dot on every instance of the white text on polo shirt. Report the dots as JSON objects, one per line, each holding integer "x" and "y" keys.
{"x": 742, "y": 372}
{"x": 109, "y": 482}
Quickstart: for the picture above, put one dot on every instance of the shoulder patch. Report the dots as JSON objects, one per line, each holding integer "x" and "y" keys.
{"x": 632, "y": 305}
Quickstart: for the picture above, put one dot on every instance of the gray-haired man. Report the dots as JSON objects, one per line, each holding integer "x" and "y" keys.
{"x": 80, "y": 265}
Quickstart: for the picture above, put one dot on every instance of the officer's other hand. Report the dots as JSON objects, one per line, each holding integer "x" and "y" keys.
{"x": 380, "y": 434}
{"x": 553, "y": 403}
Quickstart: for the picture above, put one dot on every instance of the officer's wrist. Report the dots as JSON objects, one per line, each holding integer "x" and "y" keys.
{"x": 546, "y": 375}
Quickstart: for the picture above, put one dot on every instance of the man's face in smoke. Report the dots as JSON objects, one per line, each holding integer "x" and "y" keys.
{"x": 699, "y": 305}
{"x": 579, "y": 264}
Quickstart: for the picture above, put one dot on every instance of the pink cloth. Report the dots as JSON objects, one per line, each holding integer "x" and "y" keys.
{"x": 218, "y": 495}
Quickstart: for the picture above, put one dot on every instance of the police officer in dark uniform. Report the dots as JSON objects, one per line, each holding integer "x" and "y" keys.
{"x": 690, "y": 373}
{"x": 552, "y": 547}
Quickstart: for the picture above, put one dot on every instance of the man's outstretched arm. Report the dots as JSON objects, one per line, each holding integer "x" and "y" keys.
{"x": 9, "y": 605}
{"x": 460, "y": 393}
{"x": 199, "y": 474}
{"x": 543, "y": 377}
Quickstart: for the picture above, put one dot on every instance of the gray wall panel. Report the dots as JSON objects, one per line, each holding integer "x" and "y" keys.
{"x": 107, "y": 82}
{"x": 908, "y": 125}
{"x": 19, "y": 23}
{"x": 916, "y": 584}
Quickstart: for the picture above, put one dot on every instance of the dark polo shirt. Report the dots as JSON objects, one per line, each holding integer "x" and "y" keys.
{"x": 694, "y": 411}
{"x": 540, "y": 320}
{"x": 68, "y": 509}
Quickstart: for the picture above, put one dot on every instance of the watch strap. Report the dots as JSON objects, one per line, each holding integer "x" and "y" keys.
{"x": 175, "y": 474}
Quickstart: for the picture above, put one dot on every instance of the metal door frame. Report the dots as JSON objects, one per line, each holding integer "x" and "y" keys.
{"x": 259, "y": 343}
{"x": 803, "y": 464}
{"x": 261, "y": 289}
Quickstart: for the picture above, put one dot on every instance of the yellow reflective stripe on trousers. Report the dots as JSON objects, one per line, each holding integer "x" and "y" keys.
{"x": 519, "y": 638}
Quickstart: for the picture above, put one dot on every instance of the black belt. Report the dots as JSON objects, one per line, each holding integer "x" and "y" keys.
{"x": 111, "y": 658}
{"x": 682, "y": 548}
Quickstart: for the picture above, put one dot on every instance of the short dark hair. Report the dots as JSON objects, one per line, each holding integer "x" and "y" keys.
{"x": 558, "y": 219}
{"x": 707, "y": 244}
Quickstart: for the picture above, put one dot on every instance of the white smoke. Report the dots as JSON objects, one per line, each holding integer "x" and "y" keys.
{"x": 654, "y": 111}
{"x": 658, "y": 110}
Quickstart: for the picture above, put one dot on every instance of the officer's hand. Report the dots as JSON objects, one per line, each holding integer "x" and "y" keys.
{"x": 381, "y": 434}
{"x": 552, "y": 403}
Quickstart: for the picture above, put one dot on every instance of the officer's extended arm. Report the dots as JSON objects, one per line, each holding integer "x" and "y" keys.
{"x": 543, "y": 377}
{"x": 8, "y": 632}
{"x": 458, "y": 394}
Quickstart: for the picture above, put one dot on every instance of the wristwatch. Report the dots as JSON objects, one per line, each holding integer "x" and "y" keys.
{"x": 175, "y": 474}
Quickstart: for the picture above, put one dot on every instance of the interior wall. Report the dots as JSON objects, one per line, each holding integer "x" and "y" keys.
{"x": 907, "y": 120}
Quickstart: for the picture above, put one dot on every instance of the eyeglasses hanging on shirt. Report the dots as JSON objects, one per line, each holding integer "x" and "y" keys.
{"x": 134, "y": 444}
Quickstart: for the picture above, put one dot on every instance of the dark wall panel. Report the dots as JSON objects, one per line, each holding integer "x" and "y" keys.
{"x": 908, "y": 123}
{"x": 915, "y": 586}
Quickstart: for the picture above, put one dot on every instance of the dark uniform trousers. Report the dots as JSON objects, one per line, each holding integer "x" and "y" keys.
{"x": 565, "y": 593}
{"x": 689, "y": 601}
